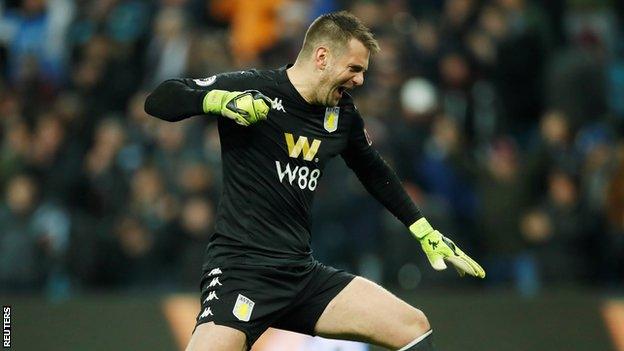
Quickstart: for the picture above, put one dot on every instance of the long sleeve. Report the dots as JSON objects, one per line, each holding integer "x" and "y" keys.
{"x": 175, "y": 99}
{"x": 377, "y": 176}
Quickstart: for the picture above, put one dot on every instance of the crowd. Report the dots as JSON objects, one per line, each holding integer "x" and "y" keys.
{"x": 504, "y": 119}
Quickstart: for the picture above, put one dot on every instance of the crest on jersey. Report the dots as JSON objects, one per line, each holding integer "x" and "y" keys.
{"x": 243, "y": 308}
{"x": 330, "y": 123}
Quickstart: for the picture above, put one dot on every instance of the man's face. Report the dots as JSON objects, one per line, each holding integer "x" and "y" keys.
{"x": 344, "y": 70}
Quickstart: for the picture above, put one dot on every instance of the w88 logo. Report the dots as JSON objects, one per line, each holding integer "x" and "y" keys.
{"x": 302, "y": 176}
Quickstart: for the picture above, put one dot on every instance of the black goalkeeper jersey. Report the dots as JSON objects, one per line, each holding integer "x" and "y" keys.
{"x": 272, "y": 168}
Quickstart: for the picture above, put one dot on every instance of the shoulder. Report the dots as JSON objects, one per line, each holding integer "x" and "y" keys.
{"x": 347, "y": 106}
{"x": 251, "y": 75}
{"x": 246, "y": 79}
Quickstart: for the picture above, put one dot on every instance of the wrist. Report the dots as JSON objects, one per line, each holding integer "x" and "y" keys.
{"x": 421, "y": 228}
{"x": 213, "y": 101}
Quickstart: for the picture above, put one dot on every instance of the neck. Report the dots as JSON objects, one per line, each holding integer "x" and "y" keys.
{"x": 302, "y": 78}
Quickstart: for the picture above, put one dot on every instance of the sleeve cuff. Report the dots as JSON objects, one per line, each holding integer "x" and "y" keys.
{"x": 212, "y": 101}
{"x": 420, "y": 228}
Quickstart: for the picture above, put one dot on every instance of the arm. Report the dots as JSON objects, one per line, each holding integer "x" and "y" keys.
{"x": 178, "y": 99}
{"x": 174, "y": 100}
{"x": 381, "y": 181}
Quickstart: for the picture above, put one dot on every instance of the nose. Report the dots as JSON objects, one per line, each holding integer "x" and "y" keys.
{"x": 358, "y": 79}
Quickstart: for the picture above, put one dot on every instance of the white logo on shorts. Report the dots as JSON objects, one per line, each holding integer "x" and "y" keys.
{"x": 211, "y": 296}
{"x": 243, "y": 308}
{"x": 207, "y": 312}
{"x": 214, "y": 282}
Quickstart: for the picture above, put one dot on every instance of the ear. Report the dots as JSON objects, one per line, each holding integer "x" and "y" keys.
{"x": 321, "y": 57}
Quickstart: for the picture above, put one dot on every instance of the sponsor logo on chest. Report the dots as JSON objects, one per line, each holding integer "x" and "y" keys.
{"x": 301, "y": 146}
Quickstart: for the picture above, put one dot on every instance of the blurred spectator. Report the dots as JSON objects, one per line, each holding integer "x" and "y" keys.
{"x": 594, "y": 143}
{"x": 185, "y": 240}
{"x": 293, "y": 17}
{"x": 15, "y": 150}
{"x": 253, "y": 26}
{"x": 52, "y": 157}
{"x": 522, "y": 37}
{"x": 103, "y": 77}
{"x": 128, "y": 259}
{"x": 173, "y": 150}
{"x": 371, "y": 13}
{"x": 445, "y": 170}
{"x": 561, "y": 231}
{"x": 169, "y": 48}
{"x": 576, "y": 79}
{"x": 210, "y": 55}
{"x": 457, "y": 17}
{"x": 195, "y": 179}
{"x": 455, "y": 83}
{"x": 613, "y": 247}
{"x": 33, "y": 240}
{"x": 35, "y": 34}
{"x": 503, "y": 199}
{"x": 149, "y": 199}
{"x": 104, "y": 186}
{"x": 554, "y": 148}
{"x": 421, "y": 54}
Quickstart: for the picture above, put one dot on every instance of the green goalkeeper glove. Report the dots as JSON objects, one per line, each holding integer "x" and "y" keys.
{"x": 244, "y": 107}
{"x": 439, "y": 248}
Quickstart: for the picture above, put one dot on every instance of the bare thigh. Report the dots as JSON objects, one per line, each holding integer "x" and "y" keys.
{"x": 212, "y": 337}
{"x": 364, "y": 311}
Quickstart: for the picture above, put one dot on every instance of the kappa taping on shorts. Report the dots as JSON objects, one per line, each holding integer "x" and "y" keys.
{"x": 253, "y": 298}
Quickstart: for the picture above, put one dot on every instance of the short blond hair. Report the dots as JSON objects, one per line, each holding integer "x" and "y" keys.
{"x": 336, "y": 29}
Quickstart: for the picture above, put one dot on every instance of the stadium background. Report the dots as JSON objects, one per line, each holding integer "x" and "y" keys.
{"x": 504, "y": 119}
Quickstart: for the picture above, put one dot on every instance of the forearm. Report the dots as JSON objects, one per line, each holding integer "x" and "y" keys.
{"x": 173, "y": 100}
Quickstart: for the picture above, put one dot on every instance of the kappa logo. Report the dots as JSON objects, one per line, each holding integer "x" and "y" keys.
{"x": 207, "y": 312}
{"x": 433, "y": 244}
{"x": 302, "y": 145}
{"x": 215, "y": 271}
{"x": 276, "y": 104}
{"x": 214, "y": 282}
{"x": 211, "y": 296}
{"x": 243, "y": 308}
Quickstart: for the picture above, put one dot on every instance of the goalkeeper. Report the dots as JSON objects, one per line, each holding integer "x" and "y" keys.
{"x": 278, "y": 129}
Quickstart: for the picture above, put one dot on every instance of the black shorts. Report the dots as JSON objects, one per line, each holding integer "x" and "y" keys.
{"x": 252, "y": 298}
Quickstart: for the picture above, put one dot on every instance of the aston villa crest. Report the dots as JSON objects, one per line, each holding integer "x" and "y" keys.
{"x": 331, "y": 119}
